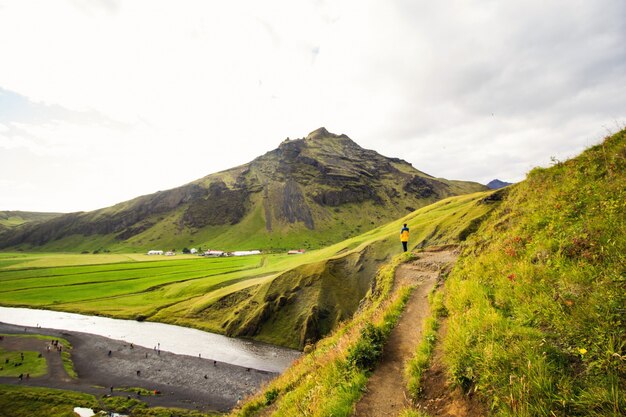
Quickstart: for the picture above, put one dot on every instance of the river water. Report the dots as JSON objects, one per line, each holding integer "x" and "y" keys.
{"x": 166, "y": 337}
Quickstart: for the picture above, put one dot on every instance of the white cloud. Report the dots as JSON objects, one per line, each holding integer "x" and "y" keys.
{"x": 172, "y": 91}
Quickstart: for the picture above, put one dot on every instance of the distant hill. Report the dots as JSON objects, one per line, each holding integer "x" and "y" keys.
{"x": 496, "y": 184}
{"x": 307, "y": 193}
{"x": 11, "y": 219}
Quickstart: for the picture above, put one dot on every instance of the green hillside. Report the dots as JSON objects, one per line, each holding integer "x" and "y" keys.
{"x": 11, "y": 219}
{"x": 304, "y": 303}
{"x": 537, "y": 302}
{"x": 535, "y": 305}
{"x": 283, "y": 299}
{"x": 307, "y": 193}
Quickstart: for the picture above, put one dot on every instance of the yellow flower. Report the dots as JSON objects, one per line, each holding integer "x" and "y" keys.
{"x": 582, "y": 351}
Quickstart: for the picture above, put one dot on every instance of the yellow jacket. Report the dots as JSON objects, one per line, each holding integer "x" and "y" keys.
{"x": 404, "y": 235}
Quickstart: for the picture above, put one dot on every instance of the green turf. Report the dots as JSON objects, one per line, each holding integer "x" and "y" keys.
{"x": 68, "y": 365}
{"x": 16, "y": 401}
{"x": 22, "y": 401}
{"x": 31, "y": 364}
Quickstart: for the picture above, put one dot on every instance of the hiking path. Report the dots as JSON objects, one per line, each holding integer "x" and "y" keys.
{"x": 386, "y": 393}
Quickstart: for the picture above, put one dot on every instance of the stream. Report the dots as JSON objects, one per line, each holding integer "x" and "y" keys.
{"x": 159, "y": 336}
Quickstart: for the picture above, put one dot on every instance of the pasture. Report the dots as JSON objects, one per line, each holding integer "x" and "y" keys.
{"x": 181, "y": 289}
{"x": 123, "y": 285}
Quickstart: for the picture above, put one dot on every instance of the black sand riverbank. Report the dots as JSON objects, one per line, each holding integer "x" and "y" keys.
{"x": 183, "y": 381}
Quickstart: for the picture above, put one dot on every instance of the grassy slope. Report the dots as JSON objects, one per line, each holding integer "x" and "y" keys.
{"x": 304, "y": 303}
{"x": 10, "y": 219}
{"x": 15, "y": 218}
{"x": 250, "y": 232}
{"x": 326, "y": 381}
{"x": 277, "y": 298}
{"x": 537, "y": 300}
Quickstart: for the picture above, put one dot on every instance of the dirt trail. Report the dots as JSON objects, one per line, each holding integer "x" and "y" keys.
{"x": 438, "y": 399}
{"x": 386, "y": 390}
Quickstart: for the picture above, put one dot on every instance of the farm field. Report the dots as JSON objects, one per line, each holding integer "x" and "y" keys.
{"x": 205, "y": 293}
{"x": 123, "y": 285}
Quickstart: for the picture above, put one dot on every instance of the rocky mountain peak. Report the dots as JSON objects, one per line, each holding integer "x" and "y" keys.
{"x": 322, "y": 133}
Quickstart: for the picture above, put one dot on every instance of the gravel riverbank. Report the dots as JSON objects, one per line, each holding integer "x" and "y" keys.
{"x": 184, "y": 381}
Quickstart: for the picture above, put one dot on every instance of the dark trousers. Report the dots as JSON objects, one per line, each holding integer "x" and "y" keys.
{"x": 404, "y": 245}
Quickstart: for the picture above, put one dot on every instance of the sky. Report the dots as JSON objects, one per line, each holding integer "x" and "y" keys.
{"x": 104, "y": 100}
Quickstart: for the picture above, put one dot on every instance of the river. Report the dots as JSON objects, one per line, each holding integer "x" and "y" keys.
{"x": 165, "y": 337}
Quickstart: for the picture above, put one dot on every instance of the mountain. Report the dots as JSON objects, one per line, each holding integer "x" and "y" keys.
{"x": 11, "y": 219}
{"x": 496, "y": 184}
{"x": 307, "y": 193}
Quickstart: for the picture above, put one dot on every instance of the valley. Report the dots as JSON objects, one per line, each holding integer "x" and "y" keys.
{"x": 527, "y": 322}
{"x": 276, "y": 298}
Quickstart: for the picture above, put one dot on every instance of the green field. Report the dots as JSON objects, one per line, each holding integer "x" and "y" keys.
{"x": 31, "y": 364}
{"x": 132, "y": 284}
{"x": 231, "y": 295}
{"x": 22, "y": 401}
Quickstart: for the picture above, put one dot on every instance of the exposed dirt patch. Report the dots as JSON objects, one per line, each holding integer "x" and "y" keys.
{"x": 386, "y": 390}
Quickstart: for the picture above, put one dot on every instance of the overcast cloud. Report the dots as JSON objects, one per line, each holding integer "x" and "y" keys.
{"x": 104, "y": 100}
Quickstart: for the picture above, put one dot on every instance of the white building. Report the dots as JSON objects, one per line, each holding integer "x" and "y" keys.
{"x": 245, "y": 252}
{"x": 155, "y": 252}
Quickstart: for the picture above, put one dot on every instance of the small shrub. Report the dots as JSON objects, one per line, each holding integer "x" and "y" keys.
{"x": 270, "y": 396}
{"x": 368, "y": 350}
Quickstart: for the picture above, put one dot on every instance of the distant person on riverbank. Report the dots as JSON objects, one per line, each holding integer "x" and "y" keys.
{"x": 404, "y": 237}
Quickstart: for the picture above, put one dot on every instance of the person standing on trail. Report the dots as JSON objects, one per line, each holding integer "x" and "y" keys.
{"x": 404, "y": 237}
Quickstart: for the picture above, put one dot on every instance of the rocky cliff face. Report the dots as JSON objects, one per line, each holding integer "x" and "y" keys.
{"x": 323, "y": 183}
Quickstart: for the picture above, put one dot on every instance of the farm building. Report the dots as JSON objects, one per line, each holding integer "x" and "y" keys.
{"x": 170, "y": 253}
{"x": 245, "y": 252}
{"x": 214, "y": 253}
{"x": 155, "y": 252}
{"x": 296, "y": 252}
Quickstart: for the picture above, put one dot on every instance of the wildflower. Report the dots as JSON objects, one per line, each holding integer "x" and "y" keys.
{"x": 582, "y": 351}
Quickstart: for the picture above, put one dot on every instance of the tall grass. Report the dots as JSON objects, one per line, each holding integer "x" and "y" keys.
{"x": 331, "y": 378}
{"x": 537, "y": 299}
